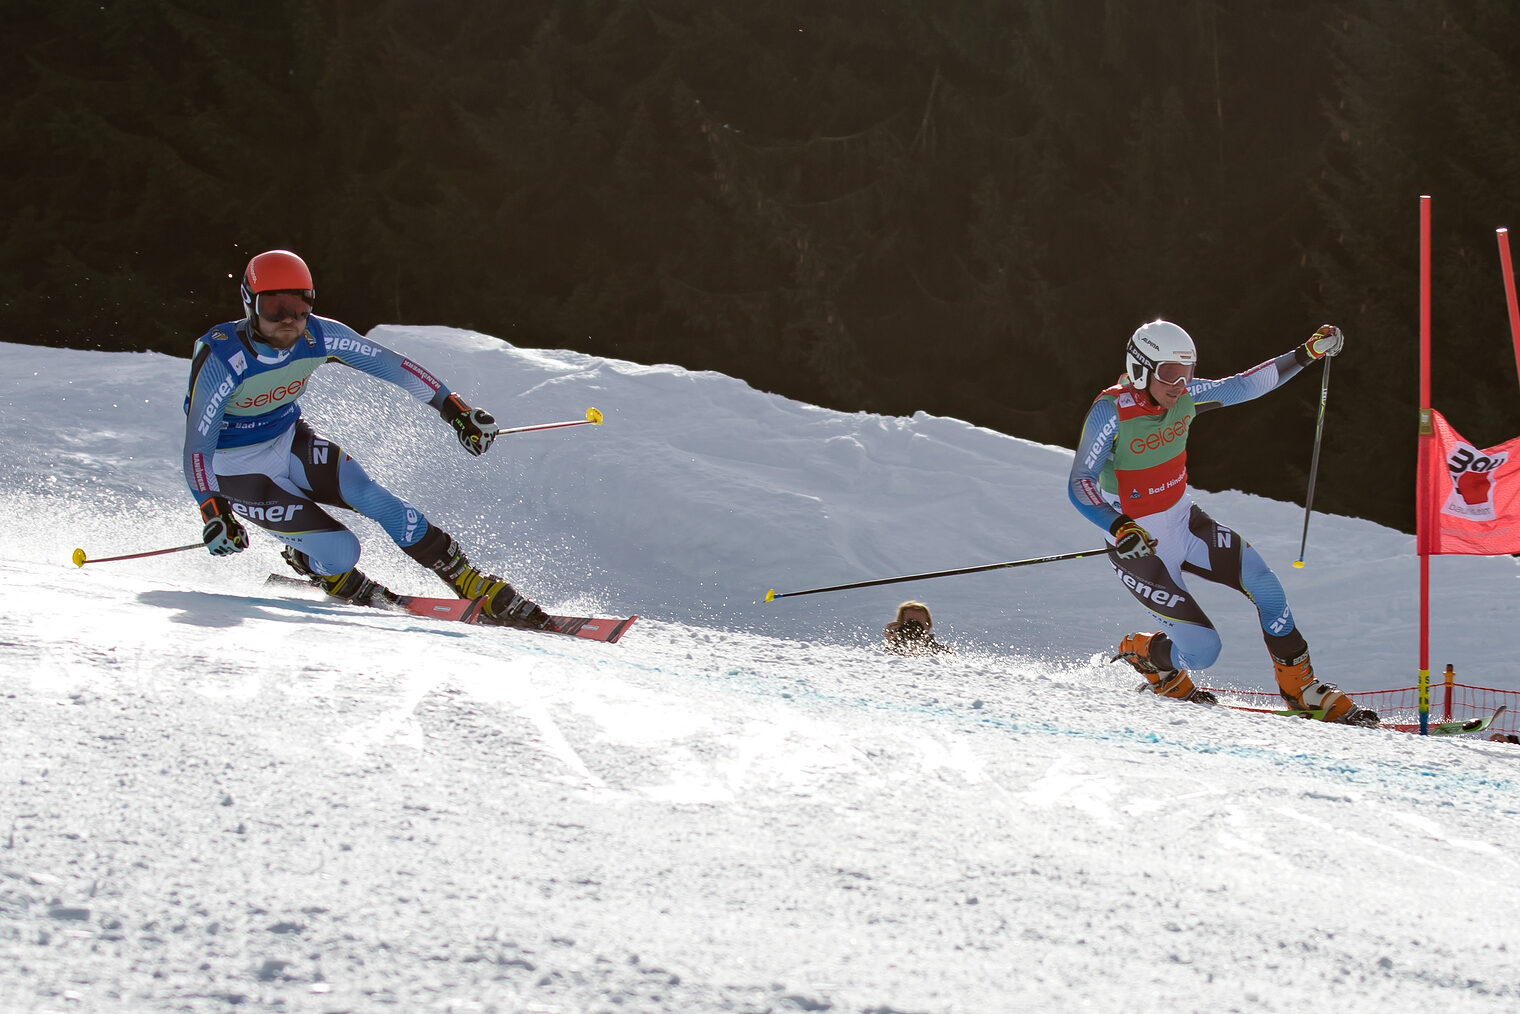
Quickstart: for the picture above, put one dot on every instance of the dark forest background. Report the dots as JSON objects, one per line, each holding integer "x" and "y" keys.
{"x": 958, "y": 206}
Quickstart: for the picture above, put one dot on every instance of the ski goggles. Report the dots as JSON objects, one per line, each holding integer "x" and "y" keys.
{"x": 1174, "y": 374}
{"x": 291, "y": 304}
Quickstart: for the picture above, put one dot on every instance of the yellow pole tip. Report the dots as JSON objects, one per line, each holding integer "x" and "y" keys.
{"x": 1298, "y": 565}
{"x": 79, "y": 558}
{"x": 770, "y": 596}
{"x": 593, "y": 416}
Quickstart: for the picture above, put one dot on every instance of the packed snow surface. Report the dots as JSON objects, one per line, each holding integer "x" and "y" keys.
{"x": 222, "y": 795}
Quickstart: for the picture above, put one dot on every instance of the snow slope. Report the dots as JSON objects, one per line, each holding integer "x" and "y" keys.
{"x": 220, "y": 795}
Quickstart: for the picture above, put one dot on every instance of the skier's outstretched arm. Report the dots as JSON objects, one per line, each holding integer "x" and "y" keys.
{"x": 1267, "y": 376}
{"x": 475, "y": 428}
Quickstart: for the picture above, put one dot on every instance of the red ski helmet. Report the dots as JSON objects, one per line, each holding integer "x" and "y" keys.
{"x": 275, "y": 271}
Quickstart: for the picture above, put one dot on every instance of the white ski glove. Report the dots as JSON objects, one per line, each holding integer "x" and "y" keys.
{"x": 475, "y": 427}
{"x": 1327, "y": 341}
{"x": 222, "y": 533}
{"x": 1131, "y": 542}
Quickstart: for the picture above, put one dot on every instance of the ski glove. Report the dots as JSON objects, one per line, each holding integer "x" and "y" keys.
{"x": 1131, "y": 542}
{"x": 1327, "y": 341}
{"x": 475, "y": 427}
{"x": 223, "y": 534}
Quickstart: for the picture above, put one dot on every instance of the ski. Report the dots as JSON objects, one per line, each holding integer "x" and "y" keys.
{"x": 1457, "y": 728}
{"x": 1313, "y": 714}
{"x": 592, "y": 628}
{"x": 1316, "y": 714}
{"x": 1368, "y": 719}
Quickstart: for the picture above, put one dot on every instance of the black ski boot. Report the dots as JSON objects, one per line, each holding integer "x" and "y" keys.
{"x": 438, "y": 551}
{"x": 350, "y": 586}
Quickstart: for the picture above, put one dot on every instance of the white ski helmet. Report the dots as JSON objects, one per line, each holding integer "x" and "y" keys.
{"x": 1158, "y": 342}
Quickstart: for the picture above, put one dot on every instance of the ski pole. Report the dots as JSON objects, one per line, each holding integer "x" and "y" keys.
{"x": 80, "y": 559}
{"x": 1319, "y": 429}
{"x": 773, "y": 594}
{"x": 593, "y": 417}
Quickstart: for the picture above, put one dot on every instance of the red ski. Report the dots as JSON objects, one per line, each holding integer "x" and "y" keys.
{"x": 592, "y": 628}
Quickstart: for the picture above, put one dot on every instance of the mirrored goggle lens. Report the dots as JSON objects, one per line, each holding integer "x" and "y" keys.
{"x": 1174, "y": 373}
{"x": 277, "y": 306}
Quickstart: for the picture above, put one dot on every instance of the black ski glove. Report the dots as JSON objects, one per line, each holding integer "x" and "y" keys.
{"x": 222, "y": 533}
{"x": 475, "y": 427}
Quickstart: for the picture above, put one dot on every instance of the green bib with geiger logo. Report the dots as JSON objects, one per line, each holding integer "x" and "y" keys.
{"x": 1148, "y": 469}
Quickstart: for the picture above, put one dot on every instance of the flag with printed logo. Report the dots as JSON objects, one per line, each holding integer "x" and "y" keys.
{"x": 1469, "y": 498}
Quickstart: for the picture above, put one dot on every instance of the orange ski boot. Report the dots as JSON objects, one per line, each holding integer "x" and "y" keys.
{"x": 1301, "y": 689}
{"x": 1175, "y": 683}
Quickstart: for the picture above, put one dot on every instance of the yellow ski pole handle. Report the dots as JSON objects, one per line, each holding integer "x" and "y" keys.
{"x": 80, "y": 559}
{"x": 593, "y": 418}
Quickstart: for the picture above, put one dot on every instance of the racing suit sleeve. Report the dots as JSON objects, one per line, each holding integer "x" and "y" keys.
{"x": 1253, "y": 383}
{"x": 1094, "y": 451}
{"x": 210, "y": 384}
{"x": 345, "y": 345}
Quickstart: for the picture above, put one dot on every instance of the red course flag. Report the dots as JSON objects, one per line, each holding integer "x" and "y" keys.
{"x": 1470, "y": 498}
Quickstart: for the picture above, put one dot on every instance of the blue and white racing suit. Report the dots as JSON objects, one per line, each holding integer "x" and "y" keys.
{"x": 245, "y": 439}
{"x": 1187, "y": 539}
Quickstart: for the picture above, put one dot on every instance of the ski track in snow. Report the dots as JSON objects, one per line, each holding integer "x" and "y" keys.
{"x": 218, "y": 797}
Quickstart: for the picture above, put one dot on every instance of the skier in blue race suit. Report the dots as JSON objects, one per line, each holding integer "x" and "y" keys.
{"x": 249, "y": 456}
{"x": 1129, "y": 478}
